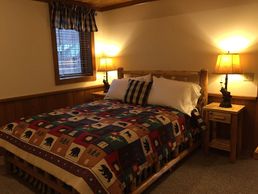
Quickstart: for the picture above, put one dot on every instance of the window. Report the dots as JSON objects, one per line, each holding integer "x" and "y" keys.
{"x": 73, "y": 56}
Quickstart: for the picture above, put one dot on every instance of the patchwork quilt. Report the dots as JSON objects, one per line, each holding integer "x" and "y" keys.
{"x": 106, "y": 143}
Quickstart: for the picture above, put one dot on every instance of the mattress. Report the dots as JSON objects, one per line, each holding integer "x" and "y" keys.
{"x": 98, "y": 147}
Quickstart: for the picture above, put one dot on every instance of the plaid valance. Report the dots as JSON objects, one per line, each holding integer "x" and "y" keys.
{"x": 72, "y": 16}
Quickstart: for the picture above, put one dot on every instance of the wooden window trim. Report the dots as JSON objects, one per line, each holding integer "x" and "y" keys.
{"x": 75, "y": 79}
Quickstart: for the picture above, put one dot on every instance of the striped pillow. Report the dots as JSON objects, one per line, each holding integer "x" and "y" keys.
{"x": 137, "y": 92}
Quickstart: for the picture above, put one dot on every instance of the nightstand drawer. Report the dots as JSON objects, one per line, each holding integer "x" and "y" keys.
{"x": 220, "y": 117}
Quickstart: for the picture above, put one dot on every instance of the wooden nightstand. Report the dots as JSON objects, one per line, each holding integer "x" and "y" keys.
{"x": 98, "y": 95}
{"x": 218, "y": 118}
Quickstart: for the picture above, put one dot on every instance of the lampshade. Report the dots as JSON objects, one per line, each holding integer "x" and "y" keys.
{"x": 228, "y": 64}
{"x": 106, "y": 64}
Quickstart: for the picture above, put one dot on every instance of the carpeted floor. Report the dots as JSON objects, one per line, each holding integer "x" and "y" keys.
{"x": 9, "y": 185}
{"x": 212, "y": 174}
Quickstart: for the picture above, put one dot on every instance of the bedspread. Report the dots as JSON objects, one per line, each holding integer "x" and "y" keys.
{"x": 105, "y": 143}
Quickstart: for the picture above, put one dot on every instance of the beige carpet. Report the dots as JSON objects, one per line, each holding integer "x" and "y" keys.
{"x": 212, "y": 174}
{"x": 196, "y": 175}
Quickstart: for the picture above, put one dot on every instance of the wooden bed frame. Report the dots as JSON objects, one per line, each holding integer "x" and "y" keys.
{"x": 145, "y": 179}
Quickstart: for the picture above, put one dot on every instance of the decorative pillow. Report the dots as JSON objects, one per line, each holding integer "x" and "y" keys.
{"x": 177, "y": 94}
{"x": 118, "y": 87}
{"x": 137, "y": 92}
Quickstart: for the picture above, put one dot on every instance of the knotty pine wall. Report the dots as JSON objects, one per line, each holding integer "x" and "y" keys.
{"x": 14, "y": 108}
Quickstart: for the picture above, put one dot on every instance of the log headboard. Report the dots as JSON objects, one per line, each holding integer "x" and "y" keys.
{"x": 199, "y": 77}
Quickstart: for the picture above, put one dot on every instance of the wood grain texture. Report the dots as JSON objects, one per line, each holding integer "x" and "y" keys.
{"x": 250, "y": 124}
{"x": 239, "y": 133}
{"x": 256, "y": 127}
{"x": 103, "y": 5}
{"x": 235, "y": 109}
{"x": 203, "y": 82}
{"x": 231, "y": 118}
{"x": 233, "y": 139}
{"x": 12, "y": 109}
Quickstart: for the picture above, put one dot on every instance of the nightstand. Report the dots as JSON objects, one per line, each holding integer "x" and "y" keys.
{"x": 98, "y": 95}
{"x": 229, "y": 119}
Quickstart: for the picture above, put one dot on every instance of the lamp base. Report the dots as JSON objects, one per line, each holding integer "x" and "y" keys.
{"x": 225, "y": 104}
{"x": 226, "y": 98}
{"x": 106, "y": 85}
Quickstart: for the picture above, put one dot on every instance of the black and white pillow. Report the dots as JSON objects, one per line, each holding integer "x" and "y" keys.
{"x": 137, "y": 92}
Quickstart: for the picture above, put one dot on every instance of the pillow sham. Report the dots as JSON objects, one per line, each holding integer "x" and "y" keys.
{"x": 146, "y": 78}
{"x": 176, "y": 94}
{"x": 137, "y": 92}
{"x": 118, "y": 87}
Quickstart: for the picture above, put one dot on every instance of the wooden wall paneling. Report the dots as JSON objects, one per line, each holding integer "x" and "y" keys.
{"x": 42, "y": 104}
{"x": 79, "y": 98}
{"x": 2, "y": 115}
{"x": 88, "y": 95}
{"x": 9, "y": 111}
{"x": 52, "y": 102}
{"x": 256, "y": 127}
{"x": 31, "y": 107}
{"x": 250, "y": 124}
{"x": 69, "y": 98}
{"x": 19, "y": 109}
{"x": 14, "y": 108}
{"x": 61, "y": 100}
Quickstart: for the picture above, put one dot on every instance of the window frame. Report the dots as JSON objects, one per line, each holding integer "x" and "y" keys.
{"x": 76, "y": 78}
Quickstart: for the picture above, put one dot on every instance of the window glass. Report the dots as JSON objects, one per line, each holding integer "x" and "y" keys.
{"x": 69, "y": 52}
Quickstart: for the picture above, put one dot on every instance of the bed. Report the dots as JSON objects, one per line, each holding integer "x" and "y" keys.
{"x": 104, "y": 146}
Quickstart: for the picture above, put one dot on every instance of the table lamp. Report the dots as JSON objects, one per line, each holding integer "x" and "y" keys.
{"x": 105, "y": 65}
{"x": 228, "y": 63}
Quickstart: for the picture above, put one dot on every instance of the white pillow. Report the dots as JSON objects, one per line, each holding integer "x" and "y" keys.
{"x": 146, "y": 78}
{"x": 118, "y": 87}
{"x": 176, "y": 94}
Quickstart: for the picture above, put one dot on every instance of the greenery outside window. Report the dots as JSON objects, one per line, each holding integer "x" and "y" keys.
{"x": 74, "y": 58}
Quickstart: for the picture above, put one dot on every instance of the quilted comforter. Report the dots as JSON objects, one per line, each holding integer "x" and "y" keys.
{"x": 100, "y": 146}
